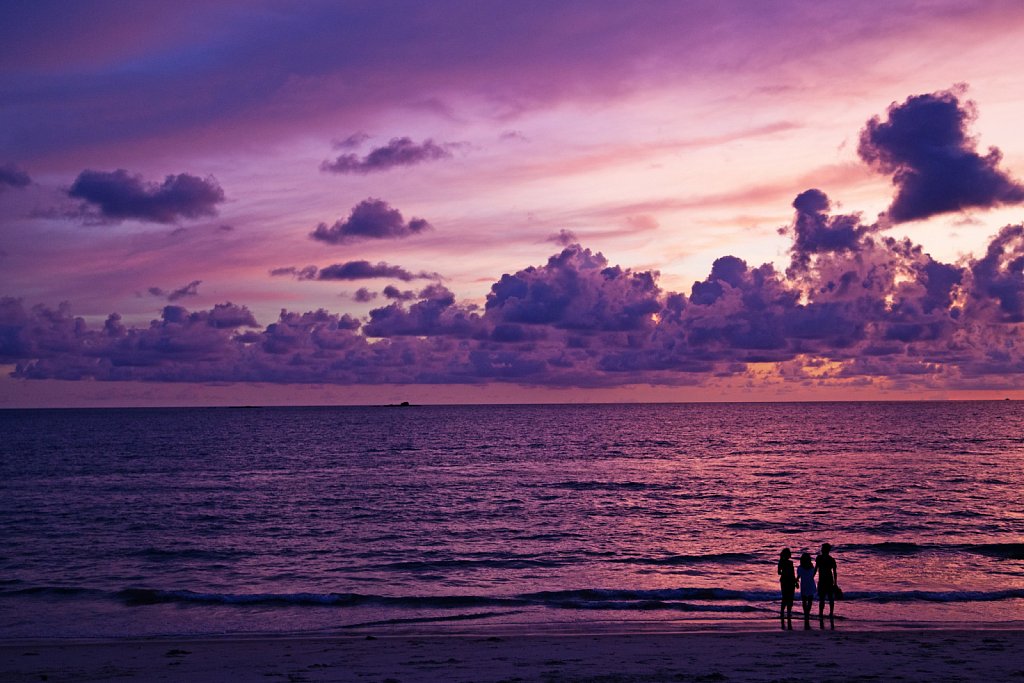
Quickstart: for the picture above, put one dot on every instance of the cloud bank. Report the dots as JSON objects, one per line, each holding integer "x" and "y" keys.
{"x": 854, "y": 305}
{"x": 868, "y": 307}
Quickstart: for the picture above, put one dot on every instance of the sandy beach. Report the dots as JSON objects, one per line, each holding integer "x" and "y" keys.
{"x": 996, "y": 655}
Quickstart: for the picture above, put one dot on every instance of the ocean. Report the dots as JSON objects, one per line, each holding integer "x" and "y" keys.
{"x": 352, "y": 520}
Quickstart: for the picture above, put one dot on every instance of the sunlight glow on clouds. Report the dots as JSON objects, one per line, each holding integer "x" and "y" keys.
{"x": 800, "y": 198}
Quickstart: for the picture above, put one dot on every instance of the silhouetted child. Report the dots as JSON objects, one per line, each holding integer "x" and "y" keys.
{"x": 805, "y": 575}
{"x": 787, "y": 581}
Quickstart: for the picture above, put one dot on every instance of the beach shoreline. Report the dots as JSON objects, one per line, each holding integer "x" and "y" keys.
{"x": 842, "y": 654}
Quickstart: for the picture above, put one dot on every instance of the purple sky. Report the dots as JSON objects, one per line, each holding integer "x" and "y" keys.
{"x": 246, "y": 202}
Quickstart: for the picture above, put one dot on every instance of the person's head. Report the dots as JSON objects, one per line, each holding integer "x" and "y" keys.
{"x": 785, "y": 555}
{"x": 805, "y": 560}
{"x": 826, "y": 548}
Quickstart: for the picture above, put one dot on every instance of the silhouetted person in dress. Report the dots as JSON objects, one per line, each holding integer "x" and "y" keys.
{"x": 787, "y": 581}
{"x": 828, "y": 577}
{"x": 805, "y": 575}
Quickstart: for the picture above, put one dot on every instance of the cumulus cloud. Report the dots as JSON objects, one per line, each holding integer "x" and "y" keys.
{"x": 436, "y": 314}
{"x": 936, "y": 168}
{"x": 369, "y": 219}
{"x": 392, "y": 292}
{"x": 364, "y": 295}
{"x": 998, "y": 277}
{"x": 398, "y": 152}
{"x": 815, "y": 231}
{"x": 118, "y": 195}
{"x": 12, "y": 176}
{"x": 191, "y": 289}
{"x": 180, "y": 346}
{"x": 578, "y": 290}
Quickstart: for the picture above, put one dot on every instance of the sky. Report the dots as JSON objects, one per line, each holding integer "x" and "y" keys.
{"x": 223, "y": 203}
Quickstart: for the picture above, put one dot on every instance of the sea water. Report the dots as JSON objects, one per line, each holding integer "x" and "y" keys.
{"x": 325, "y": 520}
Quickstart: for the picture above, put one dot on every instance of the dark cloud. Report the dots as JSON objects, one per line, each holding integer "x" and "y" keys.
{"x": 191, "y": 289}
{"x": 935, "y": 164}
{"x": 307, "y": 273}
{"x": 351, "y": 142}
{"x": 221, "y": 316}
{"x": 564, "y": 238}
{"x": 119, "y": 195}
{"x": 998, "y": 277}
{"x": 354, "y": 270}
{"x": 369, "y": 219}
{"x": 398, "y": 152}
{"x": 577, "y": 290}
{"x": 364, "y": 270}
{"x": 392, "y": 292}
{"x": 12, "y": 176}
{"x": 363, "y": 295}
{"x": 180, "y": 346}
{"x": 815, "y": 231}
{"x": 435, "y": 315}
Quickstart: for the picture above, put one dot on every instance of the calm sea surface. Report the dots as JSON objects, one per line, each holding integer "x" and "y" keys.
{"x": 504, "y": 518}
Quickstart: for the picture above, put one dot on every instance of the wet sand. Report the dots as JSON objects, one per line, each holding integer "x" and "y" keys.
{"x": 996, "y": 655}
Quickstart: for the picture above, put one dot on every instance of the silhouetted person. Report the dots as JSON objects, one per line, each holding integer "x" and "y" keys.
{"x": 828, "y": 577}
{"x": 787, "y": 581}
{"x": 805, "y": 575}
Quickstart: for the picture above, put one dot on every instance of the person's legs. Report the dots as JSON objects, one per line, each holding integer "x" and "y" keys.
{"x": 823, "y": 595}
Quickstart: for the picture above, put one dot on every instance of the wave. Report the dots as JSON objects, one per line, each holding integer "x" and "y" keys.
{"x": 149, "y": 596}
{"x": 489, "y": 563}
{"x": 190, "y": 554}
{"x": 426, "y": 620}
{"x": 753, "y": 525}
{"x": 660, "y": 594}
{"x": 609, "y": 486}
{"x": 689, "y": 599}
{"x": 1008, "y": 551}
{"x": 936, "y": 596}
{"x": 672, "y": 560}
{"x": 887, "y": 547}
{"x": 54, "y": 592}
